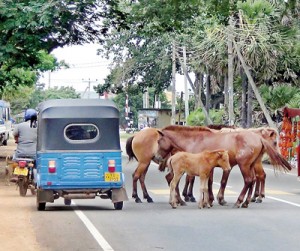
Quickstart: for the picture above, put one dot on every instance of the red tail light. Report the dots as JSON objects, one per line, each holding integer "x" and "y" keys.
{"x": 22, "y": 163}
{"x": 51, "y": 166}
{"x": 111, "y": 165}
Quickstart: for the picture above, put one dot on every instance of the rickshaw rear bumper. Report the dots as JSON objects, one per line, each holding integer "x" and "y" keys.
{"x": 49, "y": 195}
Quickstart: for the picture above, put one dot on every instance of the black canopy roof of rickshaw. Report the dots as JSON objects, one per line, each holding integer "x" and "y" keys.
{"x": 55, "y": 115}
{"x": 81, "y": 108}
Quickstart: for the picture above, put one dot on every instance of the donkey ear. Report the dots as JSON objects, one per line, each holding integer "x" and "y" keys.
{"x": 269, "y": 132}
{"x": 220, "y": 152}
{"x": 160, "y": 133}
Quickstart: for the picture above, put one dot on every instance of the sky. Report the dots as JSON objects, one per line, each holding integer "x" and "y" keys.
{"x": 85, "y": 67}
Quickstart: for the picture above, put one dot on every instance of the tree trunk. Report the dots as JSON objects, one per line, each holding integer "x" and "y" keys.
{"x": 249, "y": 106}
{"x": 254, "y": 88}
{"x": 208, "y": 93}
{"x": 198, "y": 89}
{"x": 226, "y": 98}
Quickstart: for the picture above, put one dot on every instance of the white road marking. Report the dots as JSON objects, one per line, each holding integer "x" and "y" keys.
{"x": 93, "y": 230}
{"x": 283, "y": 201}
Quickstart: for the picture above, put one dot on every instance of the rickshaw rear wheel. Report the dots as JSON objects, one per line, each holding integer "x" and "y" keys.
{"x": 41, "y": 206}
{"x": 23, "y": 185}
{"x": 67, "y": 202}
{"x": 118, "y": 205}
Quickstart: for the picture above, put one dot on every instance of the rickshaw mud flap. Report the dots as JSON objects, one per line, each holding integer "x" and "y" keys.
{"x": 118, "y": 195}
{"x": 45, "y": 195}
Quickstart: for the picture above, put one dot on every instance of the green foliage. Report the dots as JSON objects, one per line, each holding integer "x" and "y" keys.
{"x": 12, "y": 77}
{"x": 30, "y": 26}
{"x": 197, "y": 118}
{"x": 30, "y": 30}
{"x": 276, "y": 97}
{"x": 28, "y": 97}
{"x": 295, "y": 101}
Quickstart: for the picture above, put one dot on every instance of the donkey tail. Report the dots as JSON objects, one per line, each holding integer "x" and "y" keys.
{"x": 129, "y": 150}
{"x": 277, "y": 160}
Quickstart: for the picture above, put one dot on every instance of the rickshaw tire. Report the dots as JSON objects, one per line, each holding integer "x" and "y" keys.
{"x": 23, "y": 185}
{"x": 41, "y": 206}
{"x": 118, "y": 205}
{"x": 67, "y": 202}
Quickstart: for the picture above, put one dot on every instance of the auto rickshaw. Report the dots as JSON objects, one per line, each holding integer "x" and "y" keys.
{"x": 78, "y": 152}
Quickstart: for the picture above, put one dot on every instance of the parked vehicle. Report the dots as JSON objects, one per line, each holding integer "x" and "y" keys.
{"x": 78, "y": 152}
{"x": 5, "y": 122}
{"x": 23, "y": 173}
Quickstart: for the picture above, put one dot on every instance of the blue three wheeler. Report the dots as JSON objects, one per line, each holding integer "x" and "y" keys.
{"x": 78, "y": 152}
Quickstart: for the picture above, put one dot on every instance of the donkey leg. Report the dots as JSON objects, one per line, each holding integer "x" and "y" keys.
{"x": 257, "y": 190}
{"x": 221, "y": 192}
{"x": 204, "y": 192}
{"x": 135, "y": 178}
{"x": 137, "y": 175}
{"x": 143, "y": 186}
{"x": 191, "y": 187}
{"x": 202, "y": 197}
{"x": 173, "y": 201}
{"x": 185, "y": 189}
{"x": 261, "y": 178}
{"x": 262, "y": 189}
{"x": 250, "y": 189}
{"x": 169, "y": 178}
{"x": 210, "y": 189}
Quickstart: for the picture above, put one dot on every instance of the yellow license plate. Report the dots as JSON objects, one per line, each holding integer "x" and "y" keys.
{"x": 21, "y": 171}
{"x": 112, "y": 177}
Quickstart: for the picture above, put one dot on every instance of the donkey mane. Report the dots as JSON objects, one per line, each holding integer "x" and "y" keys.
{"x": 187, "y": 128}
{"x": 220, "y": 126}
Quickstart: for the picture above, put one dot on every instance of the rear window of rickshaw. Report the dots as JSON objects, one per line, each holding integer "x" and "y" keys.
{"x": 78, "y": 133}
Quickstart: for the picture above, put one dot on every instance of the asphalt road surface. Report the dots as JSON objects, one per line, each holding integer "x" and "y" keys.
{"x": 95, "y": 225}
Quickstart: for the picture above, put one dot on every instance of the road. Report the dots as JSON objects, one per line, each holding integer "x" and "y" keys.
{"x": 95, "y": 225}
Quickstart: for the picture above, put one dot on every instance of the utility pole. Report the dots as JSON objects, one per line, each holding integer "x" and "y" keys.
{"x": 88, "y": 88}
{"x": 208, "y": 120}
{"x": 230, "y": 73}
{"x": 186, "y": 90}
{"x": 173, "y": 84}
{"x": 49, "y": 79}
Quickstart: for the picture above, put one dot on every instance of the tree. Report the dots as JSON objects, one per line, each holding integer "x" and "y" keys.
{"x": 30, "y": 30}
{"x": 24, "y": 97}
{"x": 12, "y": 77}
{"x": 30, "y": 26}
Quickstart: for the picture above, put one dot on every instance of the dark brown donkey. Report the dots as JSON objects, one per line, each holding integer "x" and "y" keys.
{"x": 245, "y": 149}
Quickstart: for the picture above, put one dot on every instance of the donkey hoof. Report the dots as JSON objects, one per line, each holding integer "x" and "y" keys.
{"x": 149, "y": 200}
{"x": 245, "y": 205}
{"x": 186, "y": 198}
{"x": 192, "y": 199}
{"x": 138, "y": 200}
{"x": 173, "y": 205}
{"x": 236, "y": 205}
{"x": 182, "y": 203}
{"x": 222, "y": 202}
{"x": 259, "y": 200}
